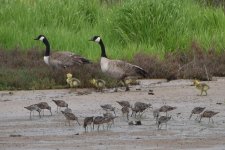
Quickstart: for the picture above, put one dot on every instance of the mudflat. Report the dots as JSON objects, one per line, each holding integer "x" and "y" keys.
{"x": 17, "y": 131}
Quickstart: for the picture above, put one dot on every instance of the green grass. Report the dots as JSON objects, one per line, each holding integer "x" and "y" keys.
{"x": 144, "y": 32}
{"x": 153, "y": 26}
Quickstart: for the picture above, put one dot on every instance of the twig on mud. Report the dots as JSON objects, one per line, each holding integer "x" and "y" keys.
{"x": 207, "y": 75}
{"x": 185, "y": 65}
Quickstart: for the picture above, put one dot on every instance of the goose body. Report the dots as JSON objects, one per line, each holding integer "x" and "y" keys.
{"x": 60, "y": 59}
{"x": 117, "y": 69}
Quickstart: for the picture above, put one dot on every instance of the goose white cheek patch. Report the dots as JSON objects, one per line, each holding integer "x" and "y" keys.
{"x": 41, "y": 38}
{"x": 98, "y": 40}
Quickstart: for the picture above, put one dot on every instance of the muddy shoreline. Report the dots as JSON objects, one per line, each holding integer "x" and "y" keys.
{"x": 17, "y": 131}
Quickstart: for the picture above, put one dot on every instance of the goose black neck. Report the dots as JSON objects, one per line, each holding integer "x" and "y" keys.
{"x": 47, "y": 52}
{"x": 103, "y": 49}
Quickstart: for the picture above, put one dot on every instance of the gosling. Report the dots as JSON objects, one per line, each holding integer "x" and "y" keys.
{"x": 73, "y": 82}
{"x": 99, "y": 84}
{"x": 201, "y": 86}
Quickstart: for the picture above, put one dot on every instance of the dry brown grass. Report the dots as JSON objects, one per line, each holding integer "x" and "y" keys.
{"x": 20, "y": 70}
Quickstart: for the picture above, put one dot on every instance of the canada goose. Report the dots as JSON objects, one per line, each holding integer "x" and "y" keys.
{"x": 60, "y": 103}
{"x": 201, "y": 86}
{"x": 117, "y": 69}
{"x": 44, "y": 105}
{"x": 196, "y": 110}
{"x": 208, "y": 114}
{"x": 163, "y": 119}
{"x": 32, "y": 108}
{"x": 166, "y": 108}
{"x": 98, "y": 83}
{"x": 87, "y": 121}
{"x": 60, "y": 59}
{"x": 70, "y": 116}
{"x": 73, "y": 82}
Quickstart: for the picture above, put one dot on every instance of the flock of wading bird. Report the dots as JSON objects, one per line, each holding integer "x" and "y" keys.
{"x": 126, "y": 74}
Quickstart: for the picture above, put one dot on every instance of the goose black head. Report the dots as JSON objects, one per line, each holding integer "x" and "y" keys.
{"x": 96, "y": 39}
{"x": 40, "y": 37}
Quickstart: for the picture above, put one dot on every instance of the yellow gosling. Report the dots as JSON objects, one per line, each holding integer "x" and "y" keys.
{"x": 73, "y": 82}
{"x": 98, "y": 83}
{"x": 201, "y": 86}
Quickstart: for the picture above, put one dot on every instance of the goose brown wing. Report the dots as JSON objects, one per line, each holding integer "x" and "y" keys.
{"x": 69, "y": 58}
{"x": 127, "y": 69}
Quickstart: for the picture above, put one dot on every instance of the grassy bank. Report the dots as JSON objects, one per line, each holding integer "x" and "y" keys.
{"x": 188, "y": 34}
{"x": 127, "y": 27}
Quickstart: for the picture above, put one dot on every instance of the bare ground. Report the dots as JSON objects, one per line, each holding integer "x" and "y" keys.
{"x": 17, "y": 131}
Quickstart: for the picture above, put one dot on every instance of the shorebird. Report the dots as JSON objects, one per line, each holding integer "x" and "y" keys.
{"x": 156, "y": 114}
{"x": 124, "y": 103}
{"x": 163, "y": 119}
{"x": 166, "y": 108}
{"x": 208, "y": 114}
{"x": 44, "y": 105}
{"x": 98, "y": 121}
{"x": 70, "y": 116}
{"x": 140, "y": 107}
{"x": 33, "y": 107}
{"x": 68, "y": 110}
{"x": 197, "y": 110}
{"x": 125, "y": 111}
{"x": 88, "y": 121}
{"x": 60, "y": 103}
{"x": 109, "y": 120}
{"x": 108, "y": 107}
{"x": 201, "y": 86}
